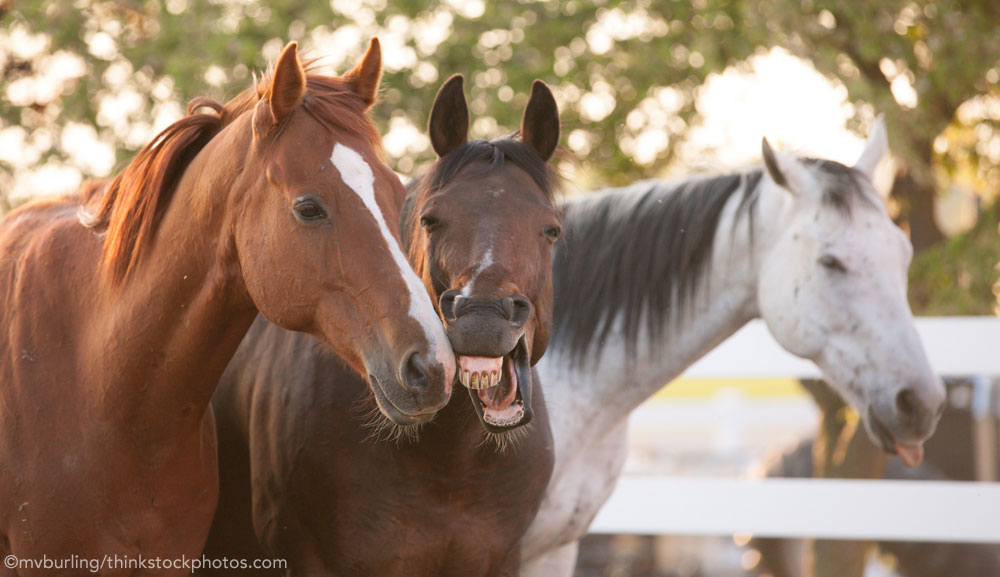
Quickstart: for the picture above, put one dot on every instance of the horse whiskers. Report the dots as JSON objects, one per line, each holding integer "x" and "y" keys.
{"x": 383, "y": 430}
{"x": 507, "y": 440}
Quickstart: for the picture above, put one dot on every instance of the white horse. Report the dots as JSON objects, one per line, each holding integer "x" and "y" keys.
{"x": 653, "y": 276}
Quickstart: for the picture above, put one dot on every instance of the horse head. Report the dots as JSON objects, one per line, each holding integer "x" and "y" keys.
{"x": 482, "y": 227}
{"x": 833, "y": 287}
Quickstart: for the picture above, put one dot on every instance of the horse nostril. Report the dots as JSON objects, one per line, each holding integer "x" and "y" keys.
{"x": 908, "y": 406}
{"x": 517, "y": 309}
{"x": 414, "y": 372}
{"x": 447, "y": 302}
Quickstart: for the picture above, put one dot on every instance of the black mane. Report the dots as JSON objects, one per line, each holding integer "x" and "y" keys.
{"x": 645, "y": 248}
{"x": 843, "y": 184}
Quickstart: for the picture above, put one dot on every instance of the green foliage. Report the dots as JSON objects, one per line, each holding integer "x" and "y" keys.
{"x": 962, "y": 275}
{"x": 615, "y": 51}
{"x": 618, "y": 68}
{"x": 942, "y": 50}
{"x": 618, "y": 52}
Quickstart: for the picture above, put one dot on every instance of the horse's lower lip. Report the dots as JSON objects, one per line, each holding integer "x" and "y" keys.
{"x": 912, "y": 454}
{"x": 885, "y": 439}
{"x": 394, "y": 413}
{"x": 517, "y": 413}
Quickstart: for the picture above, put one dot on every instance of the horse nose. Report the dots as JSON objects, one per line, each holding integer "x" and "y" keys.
{"x": 447, "y": 302}
{"x": 517, "y": 309}
{"x": 419, "y": 374}
{"x": 919, "y": 407}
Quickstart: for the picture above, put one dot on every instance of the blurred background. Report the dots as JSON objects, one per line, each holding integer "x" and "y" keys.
{"x": 645, "y": 89}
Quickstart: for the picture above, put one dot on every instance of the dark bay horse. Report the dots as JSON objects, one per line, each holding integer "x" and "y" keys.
{"x": 121, "y": 314}
{"x": 309, "y": 473}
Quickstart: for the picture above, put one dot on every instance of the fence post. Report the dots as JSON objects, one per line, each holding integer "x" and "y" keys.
{"x": 984, "y": 432}
{"x": 842, "y": 451}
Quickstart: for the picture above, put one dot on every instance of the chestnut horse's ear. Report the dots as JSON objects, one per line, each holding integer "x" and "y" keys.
{"x": 366, "y": 76}
{"x": 449, "y": 123}
{"x": 540, "y": 125}
{"x": 288, "y": 86}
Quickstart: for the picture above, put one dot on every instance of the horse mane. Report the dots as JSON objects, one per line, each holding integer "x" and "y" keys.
{"x": 645, "y": 249}
{"x": 636, "y": 249}
{"x": 135, "y": 200}
{"x": 492, "y": 155}
{"x": 843, "y": 185}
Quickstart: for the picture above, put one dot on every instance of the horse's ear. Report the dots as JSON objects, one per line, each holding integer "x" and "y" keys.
{"x": 288, "y": 84}
{"x": 366, "y": 76}
{"x": 876, "y": 147}
{"x": 785, "y": 171}
{"x": 449, "y": 122}
{"x": 540, "y": 125}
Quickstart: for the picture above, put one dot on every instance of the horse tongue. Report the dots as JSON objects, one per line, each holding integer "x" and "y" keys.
{"x": 912, "y": 455}
{"x": 501, "y": 396}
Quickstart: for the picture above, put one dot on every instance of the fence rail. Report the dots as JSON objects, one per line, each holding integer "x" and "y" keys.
{"x": 824, "y": 508}
{"x": 956, "y": 346}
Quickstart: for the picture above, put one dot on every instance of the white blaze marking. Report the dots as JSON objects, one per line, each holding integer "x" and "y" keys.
{"x": 356, "y": 174}
{"x": 484, "y": 264}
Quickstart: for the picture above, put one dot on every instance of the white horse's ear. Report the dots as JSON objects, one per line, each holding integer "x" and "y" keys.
{"x": 876, "y": 148}
{"x": 785, "y": 171}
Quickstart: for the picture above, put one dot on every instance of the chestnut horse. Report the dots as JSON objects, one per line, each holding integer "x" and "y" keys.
{"x": 117, "y": 326}
{"x": 452, "y": 498}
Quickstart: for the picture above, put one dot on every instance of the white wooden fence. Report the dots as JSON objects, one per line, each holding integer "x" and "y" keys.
{"x": 824, "y": 508}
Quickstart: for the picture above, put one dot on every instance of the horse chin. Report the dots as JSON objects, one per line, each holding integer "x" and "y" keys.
{"x": 506, "y": 405}
{"x": 390, "y": 410}
{"x": 912, "y": 454}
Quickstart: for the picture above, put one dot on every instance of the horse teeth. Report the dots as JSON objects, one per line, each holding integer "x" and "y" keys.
{"x": 475, "y": 381}
{"x": 465, "y": 378}
{"x": 494, "y": 379}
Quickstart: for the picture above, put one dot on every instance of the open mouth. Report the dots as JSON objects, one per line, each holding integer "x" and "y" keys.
{"x": 500, "y": 387}
{"x": 912, "y": 454}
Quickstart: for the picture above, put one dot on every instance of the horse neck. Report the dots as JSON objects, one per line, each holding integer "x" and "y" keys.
{"x": 184, "y": 309}
{"x": 597, "y": 395}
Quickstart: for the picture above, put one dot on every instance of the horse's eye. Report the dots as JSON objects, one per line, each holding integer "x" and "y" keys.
{"x": 832, "y": 263}
{"x": 553, "y": 232}
{"x": 429, "y": 222}
{"x": 309, "y": 210}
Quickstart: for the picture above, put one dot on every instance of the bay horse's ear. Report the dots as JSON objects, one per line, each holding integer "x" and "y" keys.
{"x": 366, "y": 76}
{"x": 449, "y": 122}
{"x": 288, "y": 86}
{"x": 540, "y": 125}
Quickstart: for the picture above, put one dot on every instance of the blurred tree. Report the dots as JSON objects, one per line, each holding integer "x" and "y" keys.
{"x": 626, "y": 73}
{"x": 962, "y": 275}
{"x": 916, "y": 60}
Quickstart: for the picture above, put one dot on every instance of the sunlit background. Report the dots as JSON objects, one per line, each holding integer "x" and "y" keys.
{"x": 645, "y": 89}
